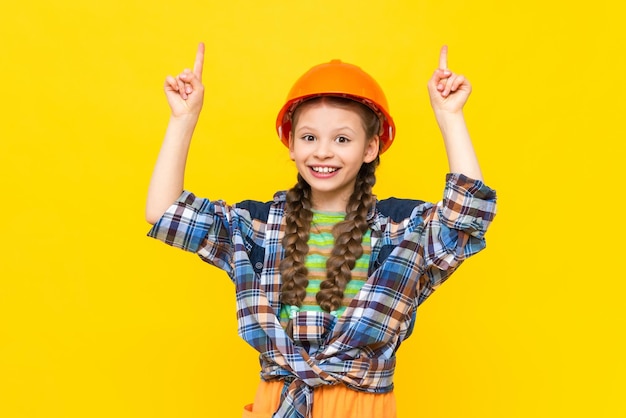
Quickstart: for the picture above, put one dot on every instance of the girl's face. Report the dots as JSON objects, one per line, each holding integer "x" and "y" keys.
{"x": 329, "y": 145}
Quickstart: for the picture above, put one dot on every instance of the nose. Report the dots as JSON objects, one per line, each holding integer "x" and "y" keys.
{"x": 323, "y": 149}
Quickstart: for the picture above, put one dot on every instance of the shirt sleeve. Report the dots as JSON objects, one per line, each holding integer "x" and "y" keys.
{"x": 454, "y": 229}
{"x": 200, "y": 226}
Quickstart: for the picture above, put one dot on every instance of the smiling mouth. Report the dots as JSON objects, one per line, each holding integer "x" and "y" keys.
{"x": 324, "y": 170}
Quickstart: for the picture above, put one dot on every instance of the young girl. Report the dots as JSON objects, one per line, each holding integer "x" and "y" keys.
{"x": 328, "y": 279}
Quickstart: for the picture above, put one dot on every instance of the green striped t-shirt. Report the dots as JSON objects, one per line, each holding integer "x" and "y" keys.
{"x": 321, "y": 242}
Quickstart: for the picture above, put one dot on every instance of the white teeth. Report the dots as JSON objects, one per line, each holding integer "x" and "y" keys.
{"x": 324, "y": 170}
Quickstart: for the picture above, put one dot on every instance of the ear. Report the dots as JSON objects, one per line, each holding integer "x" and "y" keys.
{"x": 371, "y": 149}
{"x": 291, "y": 146}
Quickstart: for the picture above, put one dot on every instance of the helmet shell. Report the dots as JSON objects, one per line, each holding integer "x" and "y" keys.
{"x": 337, "y": 78}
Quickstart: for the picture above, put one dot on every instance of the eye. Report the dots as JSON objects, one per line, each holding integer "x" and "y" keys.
{"x": 308, "y": 137}
{"x": 342, "y": 139}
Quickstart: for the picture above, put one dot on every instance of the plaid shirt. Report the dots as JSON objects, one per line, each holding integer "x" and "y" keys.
{"x": 415, "y": 246}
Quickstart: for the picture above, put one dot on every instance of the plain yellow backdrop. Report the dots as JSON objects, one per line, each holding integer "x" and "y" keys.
{"x": 97, "y": 320}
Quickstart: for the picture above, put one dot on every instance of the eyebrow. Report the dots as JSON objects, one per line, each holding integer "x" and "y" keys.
{"x": 308, "y": 128}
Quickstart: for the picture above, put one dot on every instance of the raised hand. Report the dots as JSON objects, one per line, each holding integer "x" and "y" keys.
{"x": 448, "y": 91}
{"x": 185, "y": 92}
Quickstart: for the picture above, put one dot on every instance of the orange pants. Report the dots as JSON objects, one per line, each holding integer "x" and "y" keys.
{"x": 328, "y": 402}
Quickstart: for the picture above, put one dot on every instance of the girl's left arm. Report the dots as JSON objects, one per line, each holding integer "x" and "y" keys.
{"x": 448, "y": 94}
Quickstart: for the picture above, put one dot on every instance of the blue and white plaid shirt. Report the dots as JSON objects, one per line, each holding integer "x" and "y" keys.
{"x": 415, "y": 246}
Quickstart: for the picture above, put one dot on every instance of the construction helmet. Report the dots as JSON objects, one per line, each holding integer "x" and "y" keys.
{"x": 341, "y": 79}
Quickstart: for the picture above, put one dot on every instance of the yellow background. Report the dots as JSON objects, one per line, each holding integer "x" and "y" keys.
{"x": 97, "y": 320}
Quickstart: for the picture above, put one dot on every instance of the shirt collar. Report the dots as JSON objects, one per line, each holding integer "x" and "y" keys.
{"x": 372, "y": 216}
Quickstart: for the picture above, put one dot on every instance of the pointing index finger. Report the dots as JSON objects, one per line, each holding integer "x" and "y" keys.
{"x": 443, "y": 58}
{"x": 197, "y": 65}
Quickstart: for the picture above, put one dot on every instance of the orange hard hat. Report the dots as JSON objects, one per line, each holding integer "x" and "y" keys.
{"x": 341, "y": 79}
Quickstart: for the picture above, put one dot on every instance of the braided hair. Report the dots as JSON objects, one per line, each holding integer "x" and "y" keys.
{"x": 348, "y": 233}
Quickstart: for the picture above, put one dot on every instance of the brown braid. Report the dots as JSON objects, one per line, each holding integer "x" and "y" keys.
{"x": 298, "y": 223}
{"x": 348, "y": 240}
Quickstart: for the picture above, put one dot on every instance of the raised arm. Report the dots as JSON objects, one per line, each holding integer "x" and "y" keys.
{"x": 185, "y": 94}
{"x": 448, "y": 94}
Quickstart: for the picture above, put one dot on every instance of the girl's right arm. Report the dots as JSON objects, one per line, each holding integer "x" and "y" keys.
{"x": 185, "y": 94}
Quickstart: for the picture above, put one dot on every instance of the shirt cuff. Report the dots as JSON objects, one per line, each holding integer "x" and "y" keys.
{"x": 185, "y": 224}
{"x": 468, "y": 204}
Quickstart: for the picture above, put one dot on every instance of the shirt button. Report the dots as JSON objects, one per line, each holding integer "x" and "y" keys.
{"x": 258, "y": 265}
